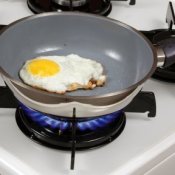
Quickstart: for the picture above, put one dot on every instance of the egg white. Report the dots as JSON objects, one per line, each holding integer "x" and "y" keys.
{"x": 73, "y": 69}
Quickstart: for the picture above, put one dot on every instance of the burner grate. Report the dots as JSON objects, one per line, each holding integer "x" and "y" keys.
{"x": 62, "y": 139}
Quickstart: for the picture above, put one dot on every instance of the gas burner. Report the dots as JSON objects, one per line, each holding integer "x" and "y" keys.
{"x": 101, "y": 7}
{"x": 167, "y": 74}
{"x": 56, "y": 132}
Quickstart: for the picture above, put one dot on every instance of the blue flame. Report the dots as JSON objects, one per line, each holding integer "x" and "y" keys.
{"x": 55, "y": 123}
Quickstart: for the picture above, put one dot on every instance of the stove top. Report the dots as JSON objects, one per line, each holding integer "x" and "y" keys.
{"x": 143, "y": 144}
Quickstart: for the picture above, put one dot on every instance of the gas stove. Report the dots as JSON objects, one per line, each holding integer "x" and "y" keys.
{"x": 145, "y": 146}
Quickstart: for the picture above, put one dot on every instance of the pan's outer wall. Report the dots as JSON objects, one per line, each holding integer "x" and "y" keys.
{"x": 128, "y": 58}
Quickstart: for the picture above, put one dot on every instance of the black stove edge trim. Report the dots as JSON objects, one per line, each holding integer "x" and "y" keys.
{"x": 143, "y": 102}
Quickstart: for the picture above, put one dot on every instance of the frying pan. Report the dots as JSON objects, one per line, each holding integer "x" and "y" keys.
{"x": 66, "y": 109}
{"x": 128, "y": 58}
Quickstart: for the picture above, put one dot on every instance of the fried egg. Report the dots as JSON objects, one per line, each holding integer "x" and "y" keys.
{"x": 62, "y": 73}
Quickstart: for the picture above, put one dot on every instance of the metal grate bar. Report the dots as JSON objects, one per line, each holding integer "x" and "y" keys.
{"x": 73, "y": 140}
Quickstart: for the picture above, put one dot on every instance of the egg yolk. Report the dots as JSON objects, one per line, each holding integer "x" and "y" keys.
{"x": 43, "y": 67}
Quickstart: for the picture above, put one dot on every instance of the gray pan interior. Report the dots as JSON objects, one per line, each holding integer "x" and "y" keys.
{"x": 126, "y": 56}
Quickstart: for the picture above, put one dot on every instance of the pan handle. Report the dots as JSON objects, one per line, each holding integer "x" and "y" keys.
{"x": 166, "y": 52}
{"x": 160, "y": 56}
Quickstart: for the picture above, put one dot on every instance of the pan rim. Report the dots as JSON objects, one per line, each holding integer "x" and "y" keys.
{"x": 66, "y": 95}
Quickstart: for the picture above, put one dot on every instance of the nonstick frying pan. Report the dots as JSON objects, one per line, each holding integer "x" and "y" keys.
{"x": 66, "y": 109}
{"x": 127, "y": 56}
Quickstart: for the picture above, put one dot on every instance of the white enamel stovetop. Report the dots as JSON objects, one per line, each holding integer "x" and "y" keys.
{"x": 146, "y": 146}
